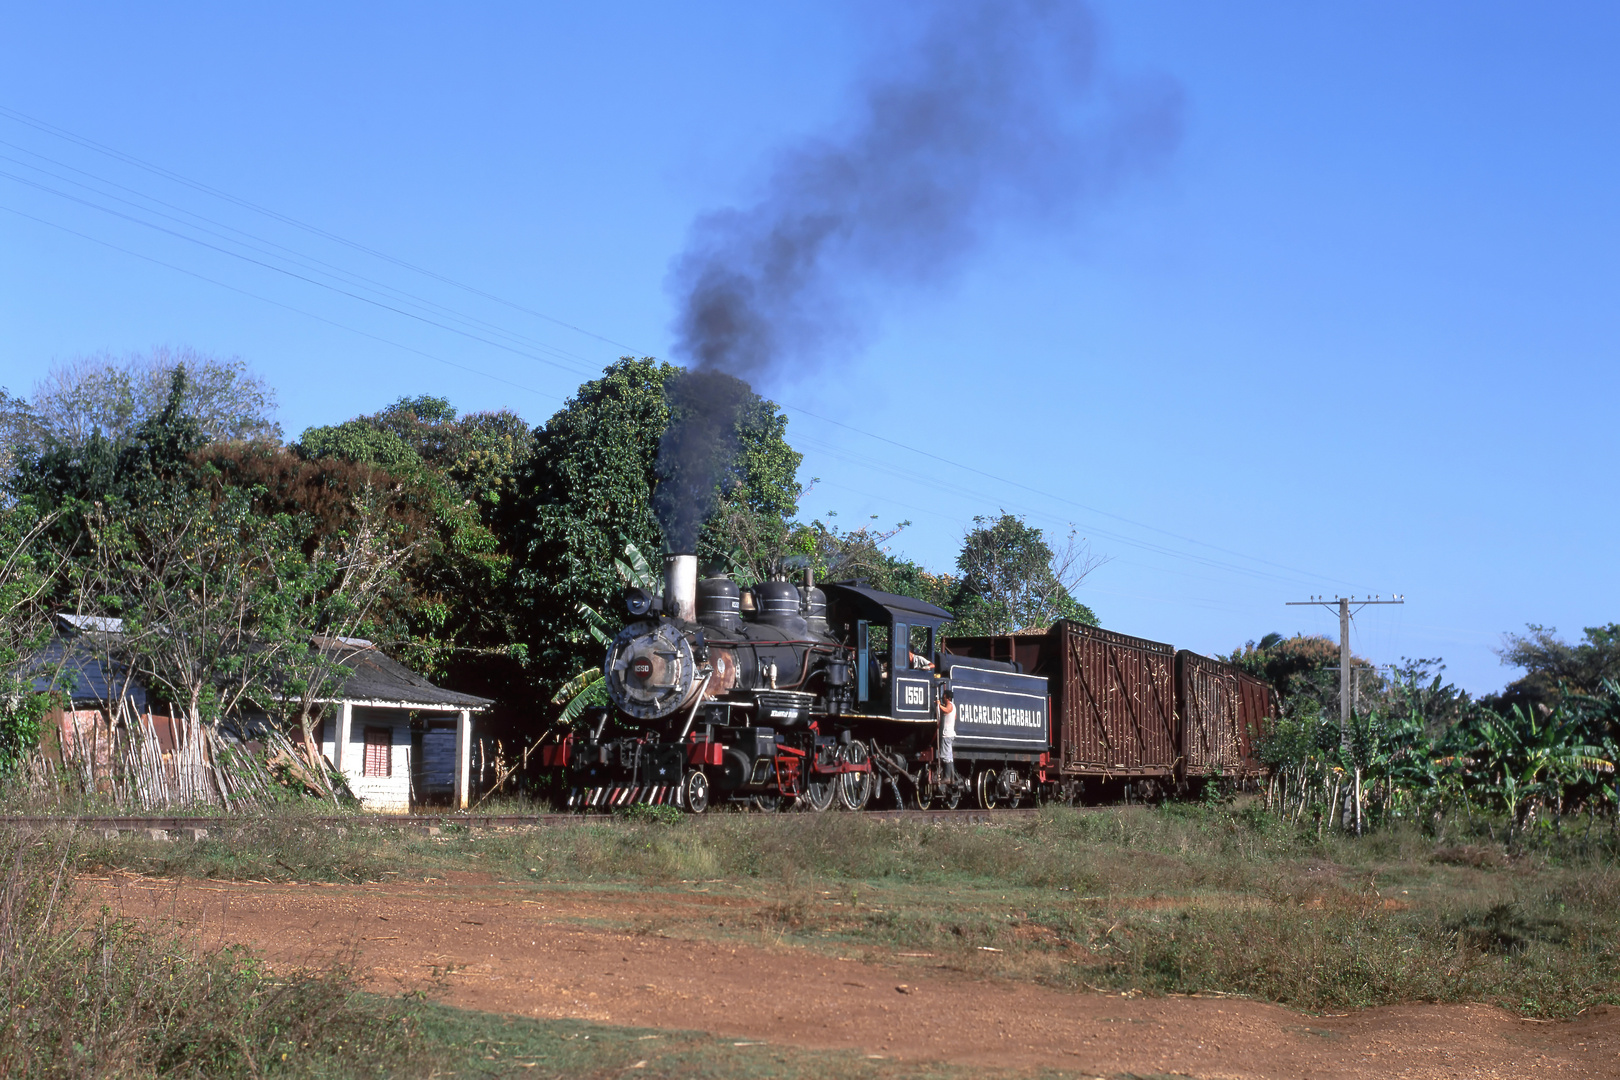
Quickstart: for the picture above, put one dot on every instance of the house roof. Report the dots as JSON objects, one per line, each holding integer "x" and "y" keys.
{"x": 61, "y": 665}
{"x": 372, "y": 677}
{"x": 375, "y": 679}
{"x": 104, "y": 624}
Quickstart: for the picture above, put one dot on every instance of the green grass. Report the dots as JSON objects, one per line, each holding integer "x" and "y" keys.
{"x": 1170, "y": 900}
{"x": 480, "y": 1044}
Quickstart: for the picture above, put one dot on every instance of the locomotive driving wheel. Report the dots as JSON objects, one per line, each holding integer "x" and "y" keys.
{"x": 819, "y": 790}
{"x": 855, "y": 788}
{"x": 984, "y": 788}
{"x": 922, "y": 793}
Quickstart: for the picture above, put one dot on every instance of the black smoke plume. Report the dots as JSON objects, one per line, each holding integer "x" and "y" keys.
{"x": 994, "y": 113}
{"x": 697, "y": 450}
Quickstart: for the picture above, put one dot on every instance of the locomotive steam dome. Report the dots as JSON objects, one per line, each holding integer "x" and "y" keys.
{"x": 650, "y": 670}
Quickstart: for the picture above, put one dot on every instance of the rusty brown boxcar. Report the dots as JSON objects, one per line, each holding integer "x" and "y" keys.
{"x": 1257, "y": 708}
{"x": 1215, "y": 705}
{"x": 1113, "y": 697}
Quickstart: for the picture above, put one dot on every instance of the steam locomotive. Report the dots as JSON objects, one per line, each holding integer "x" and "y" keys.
{"x": 803, "y": 694}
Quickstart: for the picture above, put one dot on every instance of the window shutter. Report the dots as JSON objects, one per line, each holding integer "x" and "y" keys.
{"x": 379, "y": 751}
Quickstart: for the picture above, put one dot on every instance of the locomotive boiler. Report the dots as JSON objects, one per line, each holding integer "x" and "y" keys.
{"x": 798, "y": 693}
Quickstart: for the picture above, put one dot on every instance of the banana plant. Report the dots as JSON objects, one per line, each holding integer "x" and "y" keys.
{"x": 588, "y": 689}
{"x": 1530, "y": 760}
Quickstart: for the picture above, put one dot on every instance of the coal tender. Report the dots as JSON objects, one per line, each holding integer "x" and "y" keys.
{"x": 799, "y": 694}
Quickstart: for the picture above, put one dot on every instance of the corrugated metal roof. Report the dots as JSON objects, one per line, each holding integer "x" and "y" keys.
{"x": 88, "y": 678}
{"x": 104, "y": 624}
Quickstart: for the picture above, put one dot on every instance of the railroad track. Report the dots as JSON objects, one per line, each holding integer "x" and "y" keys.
{"x": 458, "y": 822}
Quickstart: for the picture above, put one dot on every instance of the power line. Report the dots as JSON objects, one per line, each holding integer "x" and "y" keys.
{"x": 1058, "y": 498}
{"x": 315, "y": 230}
{"x": 293, "y": 256}
{"x": 157, "y": 170}
{"x": 279, "y": 304}
{"x": 292, "y": 274}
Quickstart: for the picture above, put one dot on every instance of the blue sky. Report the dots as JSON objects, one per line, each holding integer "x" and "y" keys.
{"x": 1356, "y": 333}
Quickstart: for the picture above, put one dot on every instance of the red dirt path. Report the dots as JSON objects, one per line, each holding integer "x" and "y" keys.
{"x": 531, "y": 952}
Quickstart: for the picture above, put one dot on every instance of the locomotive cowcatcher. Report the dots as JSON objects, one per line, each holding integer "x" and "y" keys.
{"x": 801, "y": 694}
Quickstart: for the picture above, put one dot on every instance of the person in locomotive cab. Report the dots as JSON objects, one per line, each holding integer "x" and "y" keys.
{"x": 947, "y": 736}
{"x": 919, "y": 663}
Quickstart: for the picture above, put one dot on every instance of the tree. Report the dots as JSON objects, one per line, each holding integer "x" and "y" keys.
{"x": 449, "y": 476}
{"x": 1012, "y": 579}
{"x": 1554, "y": 667}
{"x": 100, "y": 397}
{"x": 58, "y": 473}
{"x": 27, "y": 574}
{"x": 1306, "y": 666}
{"x": 587, "y": 490}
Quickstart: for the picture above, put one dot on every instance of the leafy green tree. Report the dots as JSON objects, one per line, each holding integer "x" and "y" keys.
{"x": 588, "y": 489}
{"x": 193, "y": 579}
{"x": 85, "y": 417}
{"x": 58, "y": 473}
{"x": 1306, "y": 666}
{"x": 1013, "y": 580}
{"x": 1554, "y": 667}
{"x": 447, "y": 475}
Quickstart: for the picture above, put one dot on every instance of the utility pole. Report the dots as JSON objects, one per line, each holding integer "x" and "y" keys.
{"x": 1343, "y": 603}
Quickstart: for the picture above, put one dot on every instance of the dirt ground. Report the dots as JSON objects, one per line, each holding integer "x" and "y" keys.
{"x": 479, "y": 944}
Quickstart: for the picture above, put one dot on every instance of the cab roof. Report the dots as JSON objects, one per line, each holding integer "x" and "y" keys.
{"x": 880, "y": 606}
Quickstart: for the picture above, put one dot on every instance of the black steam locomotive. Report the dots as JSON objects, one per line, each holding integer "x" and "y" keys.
{"x": 802, "y": 694}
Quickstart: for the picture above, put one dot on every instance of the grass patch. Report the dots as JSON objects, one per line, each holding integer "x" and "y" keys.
{"x": 85, "y": 994}
{"x": 488, "y": 1045}
{"x": 1167, "y": 900}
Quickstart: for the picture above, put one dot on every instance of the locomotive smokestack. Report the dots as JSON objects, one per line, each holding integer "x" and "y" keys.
{"x": 680, "y": 586}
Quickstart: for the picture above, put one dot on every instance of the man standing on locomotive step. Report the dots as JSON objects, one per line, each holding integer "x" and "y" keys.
{"x": 947, "y": 736}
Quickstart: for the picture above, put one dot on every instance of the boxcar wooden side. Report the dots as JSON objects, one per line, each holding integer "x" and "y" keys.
{"x": 1113, "y": 697}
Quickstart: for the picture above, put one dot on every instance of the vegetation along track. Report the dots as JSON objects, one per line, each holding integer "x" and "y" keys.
{"x": 172, "y": 823}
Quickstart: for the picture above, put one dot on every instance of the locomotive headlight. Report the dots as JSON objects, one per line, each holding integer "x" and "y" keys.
{"x": 637, "y": 601}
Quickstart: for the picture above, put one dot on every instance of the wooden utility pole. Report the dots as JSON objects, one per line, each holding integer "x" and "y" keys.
{"x": 1343, "y": 603}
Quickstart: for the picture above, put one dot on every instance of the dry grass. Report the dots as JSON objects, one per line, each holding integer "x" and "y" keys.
{"x": 1168, "y": 900}
{"x": 85, "y": 994}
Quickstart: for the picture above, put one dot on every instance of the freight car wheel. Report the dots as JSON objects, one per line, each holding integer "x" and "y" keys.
{"x": 1013, "y": 785}
{"x": 855, "y": 788}
{"x": 697, "y": 792}
{"x": 984, "y": 789}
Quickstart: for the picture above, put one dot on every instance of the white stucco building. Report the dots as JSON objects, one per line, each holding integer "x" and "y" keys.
{"x": 367, "y": 733}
